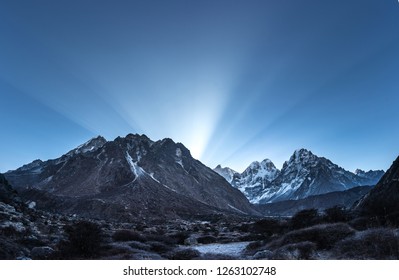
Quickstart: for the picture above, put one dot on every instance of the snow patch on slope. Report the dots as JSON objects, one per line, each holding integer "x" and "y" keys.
{"x": 227, "y": 173}
{"x": 137, "y": 170}
{"x": 179, "y": 157}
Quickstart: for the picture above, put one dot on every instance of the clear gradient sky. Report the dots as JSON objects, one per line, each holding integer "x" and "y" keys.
{"x": 235, "y": 81}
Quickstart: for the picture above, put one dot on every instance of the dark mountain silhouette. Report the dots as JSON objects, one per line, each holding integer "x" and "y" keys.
{"x": 127, "y": 178}
{"x": 384, "y": 198}
{"x": 7, "y": 194}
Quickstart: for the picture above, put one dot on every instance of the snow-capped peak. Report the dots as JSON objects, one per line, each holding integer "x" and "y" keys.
{"x": 302, "y": 155}
{"x": 91, "y": 145}
{"x": 265, "y": 170}
{"x": 359, "y": 171}
{"x": 226, "y": 172}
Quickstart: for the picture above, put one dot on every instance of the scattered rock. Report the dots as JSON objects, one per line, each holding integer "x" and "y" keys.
{"x": 192, "y": 240}
{"x": 42, "y": 253}
{"x": 263, "y": 255}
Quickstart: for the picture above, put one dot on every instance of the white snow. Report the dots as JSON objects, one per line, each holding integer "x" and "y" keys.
{"x": 169, "y": 188}
{"x": 232, "y": 207}
{"x": 257, "y": 172}
{"x": 178, "y": 157}
{"x": 31, "y": 205}
{"x": 48, "y": 179}
{"x": 226, "y": 172}
{"x": 232, "y": 249}
{"x": 137, "y": 170}
{"x": 138, "y": 154}
{"x": 152, "y": 176}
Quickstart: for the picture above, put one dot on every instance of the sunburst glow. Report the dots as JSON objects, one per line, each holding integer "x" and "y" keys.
{"x": 234, "y": 81}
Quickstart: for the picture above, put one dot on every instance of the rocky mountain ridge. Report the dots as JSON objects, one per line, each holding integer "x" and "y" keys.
{"x": 384, "y": 198}
{"x": 303, "y": 175}
{"x": 128, "y": 177}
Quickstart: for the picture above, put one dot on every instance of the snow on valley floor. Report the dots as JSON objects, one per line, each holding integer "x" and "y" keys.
{"x": 232, "y": 249}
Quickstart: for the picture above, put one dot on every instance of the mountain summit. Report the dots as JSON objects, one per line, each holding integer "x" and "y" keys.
{"x": 127, "y": 177}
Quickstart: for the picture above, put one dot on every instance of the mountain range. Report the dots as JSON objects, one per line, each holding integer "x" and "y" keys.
{"x": 133, "y": 177}
{"x": 303, "y": 175}
{"x": 127, "y": 178}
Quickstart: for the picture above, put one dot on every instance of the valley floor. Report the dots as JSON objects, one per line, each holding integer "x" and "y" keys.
{"x": 335, "y": 234}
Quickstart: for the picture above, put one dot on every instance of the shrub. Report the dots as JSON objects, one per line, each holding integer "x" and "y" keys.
{"x": 140, "y": 246}
{"x": 210, "y": 256}
{"x": 179, "y": 237}
{"x": 298, "y": 251}
{"x": 9, "y": 250}
{"x": 9, "y": 231}
{"x": 244, "y": 227}
{"x": 267, "y": 227}
{"x": 161, "y": 238}
{"x": 363, "y": 223}
{"x": 305, "y": 218}
{"x": 207, "y": 239}
{"x": 184, "y": 254}
{"x": 117, "y": 249}
{"x": 377, "y": 244}
{"x": 128, "y": 235}
{"x": 84, "y": 241}
{"x": 253, "y": 237}
{"x": 392, "y": 219}
{"x": 324, "y": 236}
{"x": 159, "y": 247}
{"x": 31, "y": 242}
{"x": 254, "y": 245}
{"x": 336, "y": 214}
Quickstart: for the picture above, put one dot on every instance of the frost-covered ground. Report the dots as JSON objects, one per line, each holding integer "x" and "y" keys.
{"x": 231, "y": 249}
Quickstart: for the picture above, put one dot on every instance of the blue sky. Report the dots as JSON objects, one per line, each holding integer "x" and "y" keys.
{"x": 235, "y": 81}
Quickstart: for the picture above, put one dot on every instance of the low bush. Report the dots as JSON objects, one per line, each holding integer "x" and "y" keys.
{"x": 140, "y": 246}
{"x": 336, "y": 214}
{"x": 159, "y": 247}
{"x": 207, "y": 239}
{"x": 392, "y": 219}
{"x": 9, "y": 231}
{"x": 267, "y": 227}
{"x": 324, "y": 236}
{"x": 210, "y": 256}
{"x": 161, "y": 238}
{"x": 298, "y": 251}
{"x": 31, "y": 242}
{"x": 179, "y": 237}
{"x": 184, "y": 254}
{"x": 84, "y": 241}
{"x": 305, "y": 218}
{"x": 364, "y": 223}
{"x": 255, "y": 245}
{"x": 9, "y": 250}
{"x": 376, "y": 244}
{"x": 128, "y": 235}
